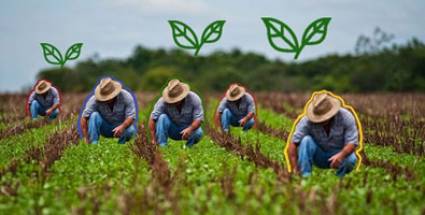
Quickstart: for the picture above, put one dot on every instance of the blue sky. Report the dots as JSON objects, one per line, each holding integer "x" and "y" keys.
{"x": 112, "y": 28}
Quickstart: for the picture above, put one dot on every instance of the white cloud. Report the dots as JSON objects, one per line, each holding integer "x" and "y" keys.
{"x": 186, "y": 7}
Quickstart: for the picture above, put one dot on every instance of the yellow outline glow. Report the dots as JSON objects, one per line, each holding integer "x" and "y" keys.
{"x": 344, "y": 105}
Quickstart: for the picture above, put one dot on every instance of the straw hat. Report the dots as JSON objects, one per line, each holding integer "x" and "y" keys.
{"x": 235, "y": 92}
{"x": 42, "y": 87}
{"x": 175, "y": 91}
{"x": 322, "y": 107}
{"x": 107, "y": 89}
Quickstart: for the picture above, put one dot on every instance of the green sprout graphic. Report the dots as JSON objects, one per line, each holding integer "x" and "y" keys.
{"x": 53, "y": 56}
{"x": 282, "y": 38}
{"x": 185, "y": 37}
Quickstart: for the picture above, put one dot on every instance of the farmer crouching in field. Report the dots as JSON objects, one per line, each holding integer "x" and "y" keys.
{"x": 110, "y": 112}
{"x": 237, "y": 108}
{"x": 44, "y": 100}
{"x": 326, "y": 137}
{"x": 177, "y": 114}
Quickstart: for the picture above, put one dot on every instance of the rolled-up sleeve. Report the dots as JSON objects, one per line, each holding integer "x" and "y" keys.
{"x": 198, "y": 111}
{"x": 301, "y": 130}
{"x": 251, "y": 104}
{"x": 31, "y": 98}
{"x": 222, "y": 105}
{"x": 130, "y": 105}
{"x": 56, "y": 96}
{"x": 158, "y": 109}
{"x": 351, "y": 134}
{"x": 90, "y": 107}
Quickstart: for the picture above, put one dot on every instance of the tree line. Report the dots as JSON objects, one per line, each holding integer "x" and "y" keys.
{"x": 375, "y": 66}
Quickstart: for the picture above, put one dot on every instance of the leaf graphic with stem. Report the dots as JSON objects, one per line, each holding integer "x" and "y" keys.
{"x": 185, "y": 37}
{"x": 73, "y": 52}
{"x": 315, "y": 33}
{"x": 282, "y": 38}
{"x": 52, "y": 55}
{"x": 278, "y": 32}
{"x": 212, "y": 33}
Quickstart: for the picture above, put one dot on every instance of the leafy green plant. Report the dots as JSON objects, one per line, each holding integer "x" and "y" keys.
{"x": 282, "y": 38}
{"x": 185, "y": 37}
{"x": 53, "y": 56}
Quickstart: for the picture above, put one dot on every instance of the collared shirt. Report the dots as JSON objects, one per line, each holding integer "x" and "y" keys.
{"x": 123, "y": 108}
{"x": 343, "y": 130}
{"x": 51, "y": 98}
{"x": 190, "y": 111}
{"x": 246, "y": 105}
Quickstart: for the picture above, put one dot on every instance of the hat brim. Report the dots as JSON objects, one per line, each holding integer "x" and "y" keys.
{"x": 237, "y": 97}
{"x": 103, "y": 98}
{"x": 336, "y": 106}
{"x": 168, "y": 99}
{"x": 49, "y": 85}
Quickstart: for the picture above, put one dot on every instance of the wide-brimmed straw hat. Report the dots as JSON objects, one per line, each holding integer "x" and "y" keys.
{"x": 175, "y": 91}
{"x": 107, "y": 89}
{"x": 235, "y": 92}
{"x": 42, "y": 87}
{"x": 322, "y": 107}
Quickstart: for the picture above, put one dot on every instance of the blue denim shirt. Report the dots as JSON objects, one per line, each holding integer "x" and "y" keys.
{"x": 124, "y": 107}
{"x": 246, "y": 105}
{"x": 51, "y": 98}
{"x": 343, "y": 131}
{"x": 191, "y": 110}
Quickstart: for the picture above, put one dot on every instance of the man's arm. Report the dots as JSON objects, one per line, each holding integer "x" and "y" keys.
{"x": 244, "y": 120}
{"x": 301, "y": 130}
{"x": 219, "y": 111}
{"x": 51, "y": 109}
{"x": 158, "y": 109}
{"x": 350, "y": 138}
{"x": 56, "y": 102}
{"x": 217, "y": 120}
{"x": 339, "y": 157}
{"x": 119, "y": 130}
{"x": 83, "y": 123}
{"x": 188, "y": 131}
{"x": 152, "y": 128}
{"x": 88, "y": 110}
{"x": 251, "y": 110}
{"x": 293, "y": 157}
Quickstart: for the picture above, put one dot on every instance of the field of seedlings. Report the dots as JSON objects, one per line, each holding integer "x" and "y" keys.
{"x": 45, "y": 169}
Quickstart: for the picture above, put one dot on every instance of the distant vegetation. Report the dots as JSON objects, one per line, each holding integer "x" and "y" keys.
{"x": 376, "y": 65}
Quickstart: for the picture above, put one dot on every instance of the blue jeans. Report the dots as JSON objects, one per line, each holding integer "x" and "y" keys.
{"x": 228, "y": 118}
{"x": 310, "y": 153}
{"x": 166, "y": 128}
{"x": 98, "y": 126}
{"x": 38, "y": 110}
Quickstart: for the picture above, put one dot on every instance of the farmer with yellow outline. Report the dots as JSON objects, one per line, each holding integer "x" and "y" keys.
{"x": 326, "y": 136}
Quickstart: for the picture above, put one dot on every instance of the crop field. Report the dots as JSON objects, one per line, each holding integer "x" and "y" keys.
{"x": 46, "y": 169}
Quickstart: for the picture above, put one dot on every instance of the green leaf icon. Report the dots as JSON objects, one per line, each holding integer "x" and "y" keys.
{"x": 51, "y": 54}
{"x": 185, "y": 37}
{"x": 280, "y": 35}
{"x": 73, "y": 52}
{"x": 316, "y": 32}
{"x": 282, "y": 38}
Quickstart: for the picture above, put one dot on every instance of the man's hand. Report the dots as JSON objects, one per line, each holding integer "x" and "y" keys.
{"x": 153, "y": 141}
{"x": 243, "y": 121}
{"x": 119, "y": 130}
{"x": 186, "y": 133}
{"x": 49, "y": 111}
{"x": 337, "y": 160}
